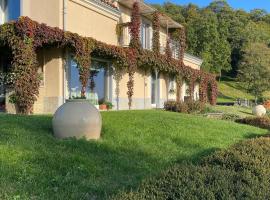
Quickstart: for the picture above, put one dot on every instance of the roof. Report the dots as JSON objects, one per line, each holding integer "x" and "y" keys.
{"x": 193, "y": 59}
{"x": 147, "y": 11}
{"x": 109, "y": 3}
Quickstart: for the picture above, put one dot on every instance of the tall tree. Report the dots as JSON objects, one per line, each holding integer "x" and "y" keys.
{"x": 255, "y": 68}
{"x": 219, "y": 33}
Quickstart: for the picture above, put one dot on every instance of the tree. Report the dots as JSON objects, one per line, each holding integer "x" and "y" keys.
{"x": 218, "y": 6}
{"x": 258, "y": 14}
{"x": 218, "y": 33}
{"x": 254, "y": 71}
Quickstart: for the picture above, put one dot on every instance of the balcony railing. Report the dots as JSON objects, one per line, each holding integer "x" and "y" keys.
{"x": 124, "y": 41}
{"x": 174, "y": 48}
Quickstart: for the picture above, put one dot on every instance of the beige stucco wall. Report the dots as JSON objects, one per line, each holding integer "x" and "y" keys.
{"x": 142, "y": 91}
{"x": 43, "y": 11}
{"x": 51, "y": 91}
{"x": 87, "y": 20}
{"x": 81, "y": 17}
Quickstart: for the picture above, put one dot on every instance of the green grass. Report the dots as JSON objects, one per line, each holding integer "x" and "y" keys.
{"x": 135, "y": 145}
{"x": 231, "y": 90}
{"x": 237, "y": 110}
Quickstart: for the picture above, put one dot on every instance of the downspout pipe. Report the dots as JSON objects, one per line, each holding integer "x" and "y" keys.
{"x": 65, "y": 63}
{"x": 65, "y": 15}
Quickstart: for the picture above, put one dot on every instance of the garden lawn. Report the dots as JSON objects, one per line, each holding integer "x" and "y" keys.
{"x": 236, "y": 110}
{"x": 231, "y": 90}
{"x": 135, "y": 145}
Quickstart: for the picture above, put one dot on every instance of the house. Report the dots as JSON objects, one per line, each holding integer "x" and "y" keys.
{"x": 100, "y": 20}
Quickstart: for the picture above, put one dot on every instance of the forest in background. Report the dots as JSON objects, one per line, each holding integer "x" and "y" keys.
{"x": 221, "y": 35}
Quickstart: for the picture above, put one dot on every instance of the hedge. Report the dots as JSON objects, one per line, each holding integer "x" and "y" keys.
{"x": 241, "y": 172}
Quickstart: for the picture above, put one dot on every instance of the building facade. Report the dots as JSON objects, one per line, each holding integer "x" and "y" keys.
{"x": 97, "y": 19}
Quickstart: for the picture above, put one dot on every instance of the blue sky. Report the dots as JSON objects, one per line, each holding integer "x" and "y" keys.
{"x": 239, "y": 4}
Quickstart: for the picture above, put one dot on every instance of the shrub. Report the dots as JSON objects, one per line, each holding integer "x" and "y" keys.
{"x": 195, "y": 106}
{"x": 268, "y": 113}
{"x": 109, "y": 105}
{"x": 176, "y": 106}
{"x": 241, "y": 172}
{"x": 230, "y": 117}
{"x": 170, "y": 106}
{"x": 252, "y": 155}
{"x": 208, "y": 109}
{"x": 184, "y": 107}
{"x": 261, "y": 122}
{"x": 266, "y": 104}
{"x": 195, "y": 182}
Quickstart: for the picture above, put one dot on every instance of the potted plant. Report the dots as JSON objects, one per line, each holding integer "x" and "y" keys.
{"x": 102, "y": 105}
{"x": 109, "y": 105}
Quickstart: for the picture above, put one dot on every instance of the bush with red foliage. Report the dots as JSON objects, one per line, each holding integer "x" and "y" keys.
{"x": 261, "y": 122}
{"x": 267, "y": 104}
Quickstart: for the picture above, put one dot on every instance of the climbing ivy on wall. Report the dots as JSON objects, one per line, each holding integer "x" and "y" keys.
{"x": 134, "y": 27}
{"x": 156, "y": 32}
{"x": 135, "y": 45}
{"x": 25, "y": 36}
{"x": 168, "y": 50}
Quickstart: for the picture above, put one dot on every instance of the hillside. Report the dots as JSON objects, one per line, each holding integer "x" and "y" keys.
{"x": 135, "y": 145}
{"x": 231, "y": 90}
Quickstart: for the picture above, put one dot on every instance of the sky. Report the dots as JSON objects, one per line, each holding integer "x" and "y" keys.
{"x": 237, "y": 4}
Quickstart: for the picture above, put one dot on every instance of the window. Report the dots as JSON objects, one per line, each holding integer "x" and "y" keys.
{"x": 172, "y": 86}
{"x": 99, "y": 70}
{"x": 145, "y": 36}
{"x": 9, "y": 10}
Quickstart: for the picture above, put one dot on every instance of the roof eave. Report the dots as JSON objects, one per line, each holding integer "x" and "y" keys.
{"x": 147, "y": 11}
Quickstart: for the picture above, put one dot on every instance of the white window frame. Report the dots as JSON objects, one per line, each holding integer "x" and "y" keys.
{"x": 146, "y": 35}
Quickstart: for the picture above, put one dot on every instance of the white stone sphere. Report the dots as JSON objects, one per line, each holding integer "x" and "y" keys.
{"x": 259, "y": 110}
{"x": 77, "y": 118}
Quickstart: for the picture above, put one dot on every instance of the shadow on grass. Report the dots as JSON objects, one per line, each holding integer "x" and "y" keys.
{"x": 236, "y": 85}
{"x": 254, "y": 136}
{"x": 37, "y": 164}
{"x": 67, "y": 169}
{"x": 32, "y": 122}
{"x": 221, "y": 95}
{"x": 248, "y": 113}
